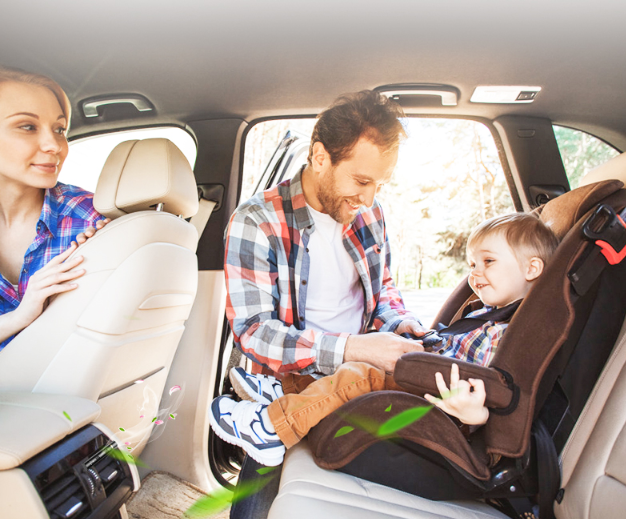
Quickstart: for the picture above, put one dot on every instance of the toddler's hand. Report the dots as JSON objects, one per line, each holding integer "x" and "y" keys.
{"x": 465, "y": 399}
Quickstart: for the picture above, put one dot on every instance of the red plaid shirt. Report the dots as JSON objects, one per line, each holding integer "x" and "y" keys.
{"x": 67, "y": 211}
{"x": 267, "y": 266}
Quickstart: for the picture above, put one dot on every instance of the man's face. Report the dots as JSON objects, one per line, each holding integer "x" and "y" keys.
{"x": 345, "y": 187}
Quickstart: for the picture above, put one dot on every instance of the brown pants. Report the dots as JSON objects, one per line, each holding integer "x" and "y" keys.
{"x": 307, "y": 401}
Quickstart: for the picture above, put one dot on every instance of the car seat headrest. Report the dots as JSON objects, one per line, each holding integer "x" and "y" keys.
{"x": 612, "y": 169}
{"x": 138, "y": 175}
{"x": 564, "y": 211}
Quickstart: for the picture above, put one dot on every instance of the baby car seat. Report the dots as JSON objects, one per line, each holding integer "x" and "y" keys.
{"x": 537, "y": 383}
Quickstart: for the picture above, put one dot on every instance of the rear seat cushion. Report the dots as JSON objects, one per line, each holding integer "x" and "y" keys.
{"x": 309, "y": 492}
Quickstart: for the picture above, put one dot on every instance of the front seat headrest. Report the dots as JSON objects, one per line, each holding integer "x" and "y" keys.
{"x": 614, "y": 169}
{"x": 138, "y": 175}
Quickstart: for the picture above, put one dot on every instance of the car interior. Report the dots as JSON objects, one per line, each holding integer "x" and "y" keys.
{"x": 106, "y": 394}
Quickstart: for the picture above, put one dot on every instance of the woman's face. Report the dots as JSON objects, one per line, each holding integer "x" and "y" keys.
{"x": 33, "y": 145}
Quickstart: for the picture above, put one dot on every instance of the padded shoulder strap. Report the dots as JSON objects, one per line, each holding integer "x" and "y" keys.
{"x": 467, "y": 324}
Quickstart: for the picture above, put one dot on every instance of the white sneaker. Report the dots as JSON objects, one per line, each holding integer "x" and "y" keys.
{"x": 240, "y": 423}
{"x": 259, "y": 388}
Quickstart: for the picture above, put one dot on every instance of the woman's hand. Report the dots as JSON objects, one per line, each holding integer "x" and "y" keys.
{"x": 90, "y": 231}
{"x": 46, "y": 282}
{"x": 465, "y": 399}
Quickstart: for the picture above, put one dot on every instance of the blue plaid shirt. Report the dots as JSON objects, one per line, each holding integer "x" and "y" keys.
{"x": 67, "y": 211}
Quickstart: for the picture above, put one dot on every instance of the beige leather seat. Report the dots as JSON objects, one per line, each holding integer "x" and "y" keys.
{"x": 309, "y": 492}
{"x": 113, "y": 339}
{"x": 593, "y": 461}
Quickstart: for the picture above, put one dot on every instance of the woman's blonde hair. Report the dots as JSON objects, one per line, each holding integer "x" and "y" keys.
{"x": 19, "y": 76}
{"x": 525, "y": 233}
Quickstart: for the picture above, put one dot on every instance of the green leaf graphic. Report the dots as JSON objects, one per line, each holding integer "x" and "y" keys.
{"x": 344, "y": 430}
{"x": 123, "y": 456}
{"x": 67, "y": 416}
{"x": 362, "y": 422}
{"x": 210, "y": 505}
{"x": 402, "y": 420}
{"x": 265, "y": 470}
{"x": 122, "y": 429}
{"x": 388, "y": 409}
{"x": 214, "y": 503}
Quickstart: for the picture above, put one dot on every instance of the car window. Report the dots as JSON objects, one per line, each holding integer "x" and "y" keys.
{"x": 448, "y": 179}
{"x": 260, "y": 145}
{"x": 581, "y": 152}
{"x": 87, "y": 156}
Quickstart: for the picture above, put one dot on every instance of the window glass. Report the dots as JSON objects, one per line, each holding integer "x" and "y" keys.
{"x": 581, "y": 152}
{"x": 261, "y": 142}
{"x": 87, "y": 156}
{"x": 448, "y": 179}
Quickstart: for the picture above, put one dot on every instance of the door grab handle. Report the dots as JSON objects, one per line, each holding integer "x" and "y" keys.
{"x": 447, "y": 98}
{"x": 90, "y": 106}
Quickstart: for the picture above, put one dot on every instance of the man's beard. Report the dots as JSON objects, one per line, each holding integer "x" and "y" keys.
{"x": 331, "y": 201}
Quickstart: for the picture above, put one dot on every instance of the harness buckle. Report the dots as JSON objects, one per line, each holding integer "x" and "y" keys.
{"x": 607, "y": 229}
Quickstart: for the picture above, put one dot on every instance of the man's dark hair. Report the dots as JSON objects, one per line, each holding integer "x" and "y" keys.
{"x": 351, "y": 116}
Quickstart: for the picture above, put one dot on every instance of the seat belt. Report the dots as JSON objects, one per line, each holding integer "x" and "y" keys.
{"x": 201, "y": 218}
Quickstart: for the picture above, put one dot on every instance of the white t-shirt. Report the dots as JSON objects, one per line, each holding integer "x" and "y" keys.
{"x": 334, "y": 300}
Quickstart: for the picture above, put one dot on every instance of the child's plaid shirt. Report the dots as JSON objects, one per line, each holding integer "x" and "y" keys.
{"x": 477, "y": 346}
{"x": 267, "y": 267}
{"x": 67, "y": 211}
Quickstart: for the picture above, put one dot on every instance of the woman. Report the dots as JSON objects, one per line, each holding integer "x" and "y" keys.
{"x": 41, "y": 220}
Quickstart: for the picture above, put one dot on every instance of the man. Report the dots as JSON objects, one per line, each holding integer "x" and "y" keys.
{"x": 283, "y": 275}
{"x": 308, "y": 262}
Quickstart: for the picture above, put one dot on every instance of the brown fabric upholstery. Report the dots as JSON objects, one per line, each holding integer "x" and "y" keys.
{"x": 564, "y": 211}
{"x": 416, "y": 374}
{"x": 331, "y": 452}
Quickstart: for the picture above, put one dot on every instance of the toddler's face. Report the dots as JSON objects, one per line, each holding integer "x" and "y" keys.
{"x": 495, "y": 274}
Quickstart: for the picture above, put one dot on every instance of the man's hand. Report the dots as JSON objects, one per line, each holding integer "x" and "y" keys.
{"x": 47, "y": 282}
{"x": 465, "y": 399}
{"x": 90, "y": 231}
{"x": 412, "y": 327}
{"x": 379, "y": 349}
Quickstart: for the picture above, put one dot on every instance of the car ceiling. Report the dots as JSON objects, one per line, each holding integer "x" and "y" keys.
{"x": 197, "y": 59}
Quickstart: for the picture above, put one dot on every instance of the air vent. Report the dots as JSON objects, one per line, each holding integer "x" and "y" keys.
{"x": 65, "y": 498}
{"x": 78, "y": 479}
{"x": 110, "y": 472}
